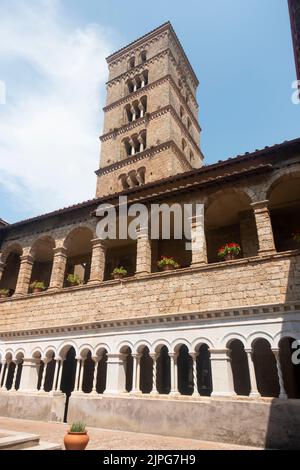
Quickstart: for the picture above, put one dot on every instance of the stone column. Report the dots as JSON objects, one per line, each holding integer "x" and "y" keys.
{"x": 45, "y": 362}
{"x": 253, "y": 384}
{"x": 134, "y": 84}
{"x": 221, "y": 373}
{"x": 131, "y": 143}
{"x": 195, "y": 381}
{"x": 3, "y": 362}
{"x": 198, "y": 240}
{"x": 96, "y": 360}
{"x": 264, "y": 228}
{"x": 115, "y": 375}
{"x": 133, "y": 112}
{"x": 24, "y": 276}
{"x": 78, "y": 366}
{"x": 98, "y": 261}
{"x": 58, "y": 388}
{"x": 59, "y": 268}
{"x": 2, "y": 266}
{"x": 30, "y": 375}
{"x": 154, "y": 373}
{"x": 57, "y": 361}
{"x": 141, "y": 142}
{"x": 136, "y": 372}
{"x": 81, "y": 375}
{"x": 5, "y": 376}
{"x": 143, "y": 252}
{"x": 13, "y": 386}
{"x": 174, "y": 374}
{"x": 142, "y": 111}
{"x": 282, "y": 393}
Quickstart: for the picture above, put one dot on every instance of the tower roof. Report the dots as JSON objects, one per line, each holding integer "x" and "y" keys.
{"x": 164, "y": 27}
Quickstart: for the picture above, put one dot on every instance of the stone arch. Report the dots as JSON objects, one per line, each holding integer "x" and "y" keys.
{"x": 228, "y": 338}
{"x": 102, "y": 346}
{"x": 229, "y": 217}
{"x": 84, "y": 348}
{"x": 176, "y": 344}
{"x": 125, "y": 344}
{"x": 253, "y": 337}
{"x": 50, "y": 349}
{"x": 11, "y": 259}
{"x": 36, "y": 352}
{"x": 199, "y": 341}
{"x": 78, "y": 245}
{"x": 140, "y": 344}
{"x": 284, "y": 174}
{"x": 65, "y": 346}
{"x": 158, "y": 344}
{"x": 283, "y": 195}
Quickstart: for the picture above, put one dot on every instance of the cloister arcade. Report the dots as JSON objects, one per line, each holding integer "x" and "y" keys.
{"x": 260, "y": 370}
{"x": 259, "y": 225}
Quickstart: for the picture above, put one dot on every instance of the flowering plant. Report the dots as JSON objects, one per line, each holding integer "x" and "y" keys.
{"x": 229, "y": 248}
{"x": 296, "y": 237}
{"x": 120, "y": 270}
{"x": 4, "y": 292}
{"x": 74, "y": 279}
{"x": 167, "y": 261}
{"x": 38, "y": 285}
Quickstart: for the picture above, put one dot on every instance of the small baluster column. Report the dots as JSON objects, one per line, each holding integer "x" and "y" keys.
{"x": 13, "y": 387}
{"x": 77, "y": 373}
{"x": 45, "y": 362}
{"x": 195, "y": 378}
{"x": 55, "y": 376}
{"x": 282, "y": 393}
{"x": 81, "y": 375}
{"x": 96, "y": 360}
{"x": 61, "y": 366}
{"x": 3, "y": 362}
{"x": 154, "y": 357}
{"x": 5, "y": 376}
{"x": 174, "y": 374}
{"x": 253, "y": 384}
{"x": 136, "y": 372}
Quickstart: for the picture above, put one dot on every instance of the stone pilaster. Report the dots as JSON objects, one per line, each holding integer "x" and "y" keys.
{"x": 24, "y": 276}
{"x": 115, "y": 376}
{"x": 98, "y": 261}
{"x": 59, "y": 268}
{"x": 264, "y": 228}
{"x": 221, "y": 373}
{"x": 143, "y": 254}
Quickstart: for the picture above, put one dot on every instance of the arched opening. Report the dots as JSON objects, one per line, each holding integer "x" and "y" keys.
{"x": 143, "y": 106}
{"x": 143, "y": 56}
{"x": 130, "y": 86}
{"x": 19, "y": 365}
{"x": 42, "y": 253}
{"x": 146, "y": 365}
{"x": 120, "y": 253}
{"x": 126, "y": 148}
{"x": 88, "y": 371}
{"x": 128, "y": 364}
{"x": 12, "y": 260}
{"x": 163, "y": 371}
{"x": 49, "y": 378}
{"x": 68, "y": 377}
{"x": 128, "y": 113}
{"x": 79, "y": 254}
{"x": 10, "y": 375}
{"x": 101, "y": 370}
{"x": 240, "y": 368}
{"x": 183, "y": 145}
{"x": 290, "y": 370}
{"x": 189, "y": 124}
{"x": 265, "y": 369}
{"x": 284, "y": 205}
{"x": 204, "y": 377}
{"x": 185, "y": 371}
{"x": 181, "y": 112}
{"x": 229, "y": 218}
{"x": 131, "y": 63}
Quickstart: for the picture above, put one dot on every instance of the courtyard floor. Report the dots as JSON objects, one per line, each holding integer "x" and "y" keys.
{"x": 104, "y": 439}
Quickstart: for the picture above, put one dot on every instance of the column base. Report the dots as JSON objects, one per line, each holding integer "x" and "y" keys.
{"x": 283, "y": 396}
{"x": 266, "y": 252}
{"x": 255, "y": 395}
{"x": 154, "y": 393}
{"x": 135, "y": 392}
{"x": 223, "y": 394}
{"x": 198, "y": 264}
{"x": 173, "y": 393}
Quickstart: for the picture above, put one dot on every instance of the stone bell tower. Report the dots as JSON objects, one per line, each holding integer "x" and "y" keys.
{"x": 151, "y": 128}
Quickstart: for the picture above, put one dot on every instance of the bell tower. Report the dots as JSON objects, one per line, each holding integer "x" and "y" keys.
{"x": 151, "y": 128}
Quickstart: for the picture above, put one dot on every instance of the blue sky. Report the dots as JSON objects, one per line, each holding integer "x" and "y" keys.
{"x": 52, "y": 60}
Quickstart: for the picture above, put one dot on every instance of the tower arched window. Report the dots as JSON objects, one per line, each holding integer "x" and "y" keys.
{"x": 183, "y": 145}
{"x": 143, "y": 56}
{"x": 189, "y": 123}
{"x": 131, "y": 63}
{"x": 181, "y": 112}
{"x": 191, "y": 156}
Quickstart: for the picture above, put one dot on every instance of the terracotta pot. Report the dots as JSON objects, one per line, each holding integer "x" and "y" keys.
{"x": 35, "y": 290}
{"x": 76, "y": 440}
{"x": 3, "y": 296}
{"x": 230, "y": 256}
{"x": 168, "y": 267}
{"x": 118, "y": 276}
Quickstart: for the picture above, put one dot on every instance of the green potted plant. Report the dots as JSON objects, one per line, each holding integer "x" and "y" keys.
{"x": 296, "y": 237}
{"x": 167, "y": 263}
{"x": 119, "y": 273}
{"x": 37, "y": 286}
{"x": 229, "y": 251}
{"x": 77, "y": 437}
{"x": 74, "y": 280}
{"x": 4, "y": 293}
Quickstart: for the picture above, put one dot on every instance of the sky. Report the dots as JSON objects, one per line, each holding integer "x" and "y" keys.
{"x": 52, "y": 63}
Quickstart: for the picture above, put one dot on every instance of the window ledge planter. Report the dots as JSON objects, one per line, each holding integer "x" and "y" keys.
{"x": 167, "y": 263}
{"x": 229, "y": 252}
{"x": 119, "y": 273}
{"x": 77, "y": 437}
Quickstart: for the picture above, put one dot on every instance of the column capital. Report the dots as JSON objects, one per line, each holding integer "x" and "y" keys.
{"x": 194, "y": 354}
{"x": 60, "y": 251}
{"x": 27, "y": 258}
{"x": 96, "y": 358}
{"x": 260, "y": 204}
{"x": 98, "y": 242}
{"x": 220, "y": 354}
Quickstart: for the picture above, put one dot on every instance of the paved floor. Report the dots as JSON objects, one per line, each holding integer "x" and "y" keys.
{"x": 103, "y": 439}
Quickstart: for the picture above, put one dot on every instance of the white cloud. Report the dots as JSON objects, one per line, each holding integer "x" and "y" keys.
{"x": 49, "y": 128}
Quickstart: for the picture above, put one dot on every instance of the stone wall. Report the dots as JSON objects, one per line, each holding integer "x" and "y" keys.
{"x": 254, "y": 281}
{"x": 270, "y": 423}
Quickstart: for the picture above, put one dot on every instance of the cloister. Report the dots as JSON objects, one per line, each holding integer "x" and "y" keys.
{"x": 243, "y": 215}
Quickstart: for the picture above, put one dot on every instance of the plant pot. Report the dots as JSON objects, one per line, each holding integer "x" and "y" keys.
{"x": 76, "y": 440}
{"x": 36, "y": 290}
{"x": 168, "y": 267}
{"x": 3, "y": 296}
{"x": 118, "y": 276}
{"x": 72, "y": 284}
{"x": 230, "y": 256}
